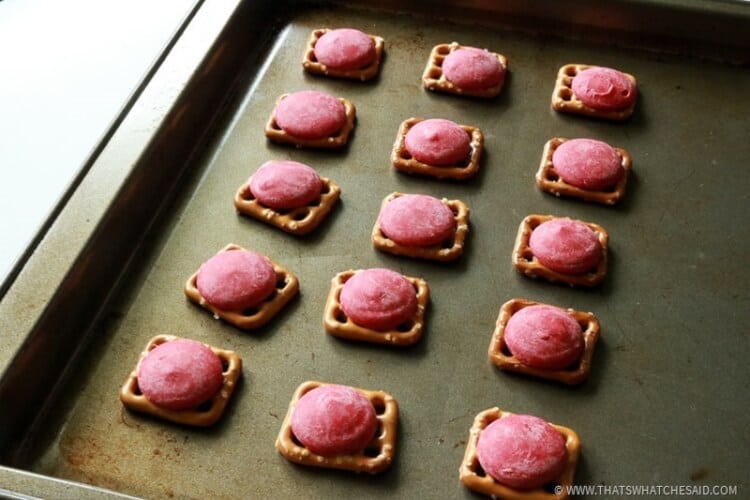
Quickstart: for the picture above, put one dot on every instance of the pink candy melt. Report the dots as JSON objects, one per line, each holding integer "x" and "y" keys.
{"x": 438, "y": 142}
{"x": 605, "y": 89}
{"x": 566, "y": 246}
{"x": 285, "y": 184}
{"x": 345, "y": 48}
{"x": 310, "y": 114}
{"x": 180, "y": 375}
{"x": 380, "y": 299}
{"x": 236, "y": 279}
{"x": 544, "y": 337}
{"x": 334, "y": 420}
{"x": 473, "y": 69}
{"x": 417, "y": 220}
{"x": 587, "y": 164}
{"x": 522, "y": 451}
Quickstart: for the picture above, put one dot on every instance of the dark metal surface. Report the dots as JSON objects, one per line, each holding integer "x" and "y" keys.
{"x": 665, "y": 401}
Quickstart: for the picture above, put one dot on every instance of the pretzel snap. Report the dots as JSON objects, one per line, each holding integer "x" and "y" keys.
{"x": 448, "y": 251}
{"x": 404, "y": 161}
{"x": 287, "y": 287}
{"x": 475, "y": 478}
{"x": 564, "y": 99}
{"x": 311, "y": 64}
{"x": 434, "y": 79}
{"x": 300, "y": 221}
{"x": 339, "y": 140}
{"x": 338, "y": 324}
{"x": 376, "y": 457}
{"x": 205, "y": 414}
{"x": 500, "y": 355}
{"x": 526, "y": 263}
{"x": 548, "y": 180}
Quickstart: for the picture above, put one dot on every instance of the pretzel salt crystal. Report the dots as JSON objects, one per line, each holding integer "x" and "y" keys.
{"x": 339, "y": 325}
{"x": 405, "y": 162}
{"x": 564, "y": 99}
{"x": 311, "y": 64}
{"x": 475, "y": 478}
{"x": 298, "y": 221}
{"x": 434, "y": 79}
{"x": 548, "y": 180}
{"x": 500, "y": 355}
{"x": 277, "y": 134}
{"x": 205, "y": 414}
{"x": 376, "y": 457}
{"x": 287, "y": 287}
{"x": 449, "y": 251}
{"x": 526, "y": 263}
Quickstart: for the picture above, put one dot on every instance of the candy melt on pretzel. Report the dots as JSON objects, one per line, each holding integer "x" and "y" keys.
{"x": 604, "y": 89}
{"x": 285, "y": 184}
{"x": 345, "y": 48}
{"x": 544, "y": 337}
{"x": 180, "y": 375}
{"x": 236, "y": 279}
{"x": 438, "y": 142}
{"x": 522, "y": 451}
{"x": 565, "y": 245}
{"x": 587, "y": 164}
{"x": 472, "y": 68}
{"x": 378, "y": 298}
{"x": 417, "y": 220}
{"x": 334, "y": 420}
{"x": 310, "y": 114}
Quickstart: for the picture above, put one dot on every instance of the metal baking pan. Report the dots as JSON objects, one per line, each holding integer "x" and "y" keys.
{"x": 666, "y": 400}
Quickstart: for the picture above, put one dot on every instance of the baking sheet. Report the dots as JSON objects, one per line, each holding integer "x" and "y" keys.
{"x": 665, "y": 403}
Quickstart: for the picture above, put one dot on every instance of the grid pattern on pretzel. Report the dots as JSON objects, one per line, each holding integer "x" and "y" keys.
{"x": 377, "y": 455}
{"x": 548, "y": 180}
{"x": 405, "y": 162}
{"x": 475, "y": 478}
{"x": 339, "y": 140}
{"x": 339, "y": 325}
{"x": 287, "y": 286}
{"x": 500, "y": 355}
{"x": 448, "y": 251}
{"x": 565, "y": 100}
{"x": 311, "y": 64}
{"x": 205, "y": 414}
{"x": 434, "y": 79}
{"x": 301, "y": 220}
{"x": 526, "y": 263}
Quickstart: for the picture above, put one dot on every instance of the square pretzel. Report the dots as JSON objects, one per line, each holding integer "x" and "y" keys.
{"x": 376, "y": 457}
{"x": 548, "y": 180}
{"x": 448, "y": 251}
{"x": 526, "y": 263}
{"x": 434, "y": 79}
{"x": 287, "y": 287}
{"x": 205, "y": 414}
{"x": 339, "y": 140}
{"x": 339, "y": 325}
{"x": 564, "y": 99}
{"x": 500, "y": 355}
{"x": 404, "y": 162}
{"x": 299, "y": 221}
{"x": 475, "y": 478}
{"x": 311, "y": 64}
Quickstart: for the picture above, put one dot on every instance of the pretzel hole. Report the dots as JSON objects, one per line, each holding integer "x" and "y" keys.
{"x": 506, "y": 351}
{"x": 205, "y": 406}
{"x": 371, "y": 452}
{"x": 250, "y": 311}
{"x": 281, "y": 282}
{"x": 379, "y": 406}
{"x": 478, "y": 469}
{"x": 224, "y": 366}
{"x": 565, "y": 94}
{"x": 247, "y": 195}
{"x": 137, "y": 389}
{"x": 528, "y": 256}
{"x": 435, "y": 73}
{"x": 571, "y": 71}
{"x": 295, "y": 440}
{"x": 300, "y": 215}
{"x": 447, "y": 243}
{"x": 339, "y": 315}
{"x": 325, "y": 190}
{"x": 405, "y": 327}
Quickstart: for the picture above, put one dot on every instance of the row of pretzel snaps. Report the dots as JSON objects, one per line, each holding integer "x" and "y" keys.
{"x": 304, "y": 221}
